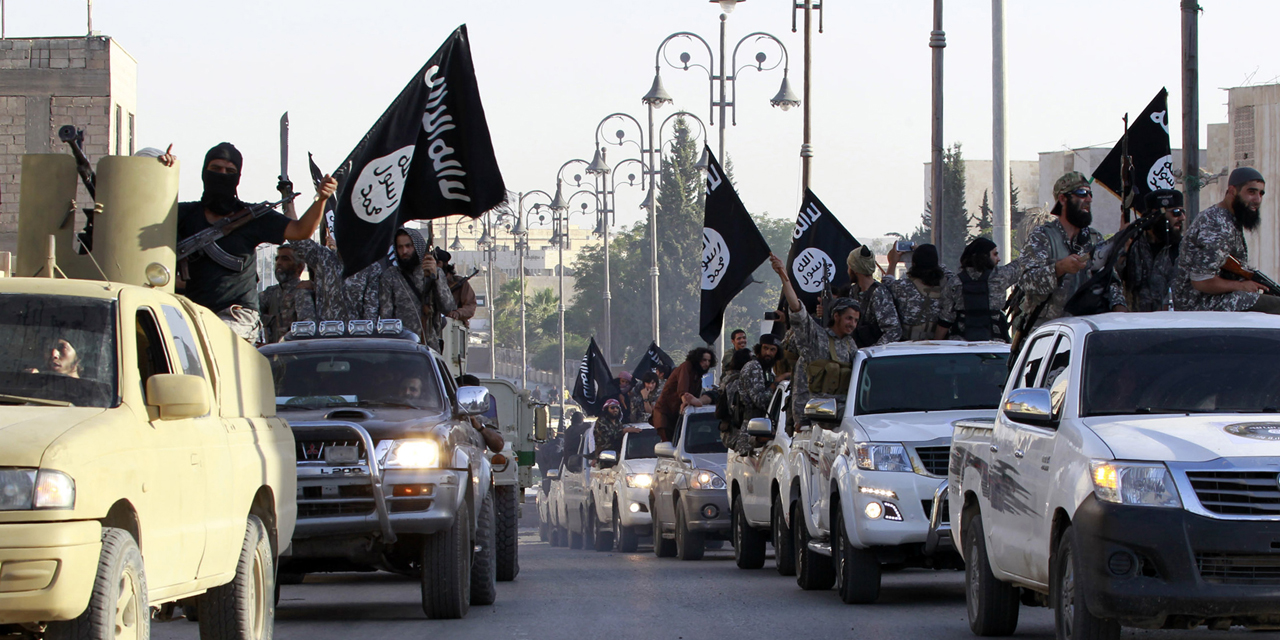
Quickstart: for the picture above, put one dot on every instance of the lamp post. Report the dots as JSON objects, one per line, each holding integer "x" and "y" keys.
{"x": 560, "y": 222}
{"x": 520, "y": 232}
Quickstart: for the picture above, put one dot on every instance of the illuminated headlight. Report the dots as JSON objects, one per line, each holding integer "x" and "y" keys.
{"x": 24, "y": 489}
{"x": 54, "y": 490}
{"x": 1134, "y": 483}
{"x": 639, "y": 480}
{"x": 412, "y": 454}
{"x": 873, "y": 456}
{"x": 704, "y": 479}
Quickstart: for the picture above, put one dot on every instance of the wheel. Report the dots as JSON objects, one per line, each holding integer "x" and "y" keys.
{"x": 446, "y": 569}
{"x": 244, "y": 607}
{"x": 118, "y": 603}
{"x": 192, "y": 611}
{"x": 1071, "y": 617}
{"x": 575, "y": 540}
{"x": 992, "y": 604}
{"x": 508, "y": 540}
{"x": 626, "y": 537}
{"x": 588, "y": 527}
{"x": 748, "y": 544}
{"x": 857, "y": 570}
{"x": 604, "y": 539}
{"x": 690, "y": 545}
{"x": 544, "y": 532}
{"x": 484, "y": 561}
{"x": 662, "y": 547}
{"x": 784, "y": 545}
{"x": 562, "y": 536}
{"x": 813, "y": 570}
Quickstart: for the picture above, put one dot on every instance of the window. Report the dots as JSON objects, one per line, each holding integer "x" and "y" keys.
{"x": 1057, "y": 375}
{"x": 151, "y": 356}
{"x": 119, "y": 128}
{"x": 131, "y": 136}
{"x": 931, "y": 382}
{"x": 703, "y": 434}
{"x": 184, "y": 341}
{"x": 450, "y": 387}
{"x": 313, "y": 379}
{"x": 59, "y": 348}
{"x": 1030, "y": 372}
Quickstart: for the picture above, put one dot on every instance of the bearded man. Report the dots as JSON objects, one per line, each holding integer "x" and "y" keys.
{"x": 972, "y": 302}
{"x": 414, "y": 290}
{"x": 290, "y": 300}
{"x": 1151, "y": 268}
{"x": 1215, "y": 234}
{"x": 683, "y": 388}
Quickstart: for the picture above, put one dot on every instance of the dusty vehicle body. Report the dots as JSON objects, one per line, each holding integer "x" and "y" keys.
{"x": 522, "y": 423}
{"x": 688, "y": 503}
{"x": 620, "y": 491}
{"x": 757, "y": 491}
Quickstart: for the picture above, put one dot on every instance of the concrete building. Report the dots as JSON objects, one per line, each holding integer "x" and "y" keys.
{"x": 978, "y": 178}
{"x": 1250, "y": 138}
{"x": 89, "y": 82}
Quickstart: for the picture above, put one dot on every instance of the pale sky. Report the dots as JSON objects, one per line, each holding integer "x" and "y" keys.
{"x": 550, "y": 70}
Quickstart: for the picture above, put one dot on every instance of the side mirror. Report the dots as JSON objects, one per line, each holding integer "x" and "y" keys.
{"x": 178, "y": 396}
{"x": 552, "y": 474}
{"x": 822, "y": 410}
{"x": 760, "y": 428}
{"x": 1030, "y": 406}
{"x": 473, "y": 401}
{"x": 607, "y": 459}
{"x": 541, "y": 419}
{"x": 664, "y": 450}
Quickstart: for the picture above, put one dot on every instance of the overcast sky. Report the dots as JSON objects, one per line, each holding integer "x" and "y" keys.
{"x": 550, "y": 70}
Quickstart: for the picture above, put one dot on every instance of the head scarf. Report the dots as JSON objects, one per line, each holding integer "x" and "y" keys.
{"x": 1244, "y": 175}
{"x": 862, "y": 260}
{"x": 220, "y": 188}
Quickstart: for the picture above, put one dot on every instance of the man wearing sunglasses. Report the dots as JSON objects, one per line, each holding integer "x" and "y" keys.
{"x": 1152, "y": 261}
{"x": 1062, "y": 254}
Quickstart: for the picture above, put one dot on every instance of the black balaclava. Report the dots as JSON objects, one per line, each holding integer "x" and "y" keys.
{"x": 1076, "y": 214}
{"x": 220, "y": 188}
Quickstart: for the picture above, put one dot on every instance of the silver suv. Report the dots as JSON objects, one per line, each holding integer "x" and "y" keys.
{"x": 689, "y": 502}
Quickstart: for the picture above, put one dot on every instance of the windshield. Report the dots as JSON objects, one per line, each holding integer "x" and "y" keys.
{"x": 640, "y": 445}
{"x": 703, "y": 434}
{"x": 1181, "y": 371}
{"x": 313, "y": 380}
{"x": 57, "y": 350}
{"x": 931, "y": 382}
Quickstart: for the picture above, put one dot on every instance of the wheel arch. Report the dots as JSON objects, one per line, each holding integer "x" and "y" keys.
{"x": 1061, "y": 522}
{"x": 123, "y": 515}
{"x": 264, "y": 507}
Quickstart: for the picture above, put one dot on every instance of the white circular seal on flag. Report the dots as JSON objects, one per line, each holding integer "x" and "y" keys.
{"x": 715, "y": 258}
{"x": 811, "y": 268}
{"x": 378, "y": 190}
{"x": 1161, "y": 174}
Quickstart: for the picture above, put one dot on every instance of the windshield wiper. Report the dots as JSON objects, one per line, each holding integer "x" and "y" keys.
{"x": 10, "y": 399}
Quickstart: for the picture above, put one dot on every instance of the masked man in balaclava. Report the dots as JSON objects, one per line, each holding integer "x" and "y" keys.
{"x": 223, "y": 275}
{"x": 414, "y": 289}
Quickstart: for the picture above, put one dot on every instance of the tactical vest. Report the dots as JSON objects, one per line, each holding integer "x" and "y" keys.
{"x": 923, "y": 330}
{"x": 1059, "y": 248}
{"x": 980, "y": 321}
{"x": 829, "y": 377}
{"x": 867, "y": 334}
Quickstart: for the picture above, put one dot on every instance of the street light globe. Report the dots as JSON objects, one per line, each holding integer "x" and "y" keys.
{"x": 785, "y": 98}
{"x": 727, "y": 6}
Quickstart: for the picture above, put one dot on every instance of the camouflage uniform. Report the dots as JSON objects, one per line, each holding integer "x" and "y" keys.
{"x": 398, "y": 296}
{"x": 362, "y": 291}
{"x": 635, "y": 403}
{"x": 1047, "y": 244}
{"x": 284, "y": 304}
{"x": 608, "y": 434}
{"x": 878, "y": 309}
{"x": 917, "y": 304}
{"x": 1151, "y": 274}
{"x": 998, "y": 283}
{"x": 814, "y": 342}
{"x": 755, "y": 390}
{"x": 326, "y": 275}
{"x": 1212, "y": 236}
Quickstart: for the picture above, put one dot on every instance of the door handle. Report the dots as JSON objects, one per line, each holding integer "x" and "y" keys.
{"x": 195, "y": 458}
{"x": 1018, "y": 453}
{"x": 819, "y": 444}
{"x": 995, "y": 449}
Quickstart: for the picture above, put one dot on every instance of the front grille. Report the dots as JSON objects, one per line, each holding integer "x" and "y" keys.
{"x": 935, "y": 459}
{"x": 313, "y": 450}
{"x": 1237, "y": 493}
{"x": 324, "y": 508}
{"x": 327, "y": 500}
{"x": 1226, "y": 568}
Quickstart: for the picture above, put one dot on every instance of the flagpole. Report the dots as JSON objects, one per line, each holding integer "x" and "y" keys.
{"x": 1191, "y": 107}
{"x": 937, "y": 42}
{"x": 1000, "y": 148}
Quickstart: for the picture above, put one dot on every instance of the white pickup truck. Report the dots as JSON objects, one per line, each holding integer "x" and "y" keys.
{"x": 620, "y": 491}
{"x": 865, "y": 484}
{"x": 756, "y": 495}
{"x": 1131, "y": 478}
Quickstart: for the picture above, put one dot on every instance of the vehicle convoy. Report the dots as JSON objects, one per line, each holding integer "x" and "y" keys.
{"x": 688, "y": 503}
{"x": 756, "y": 495}
{"x": 1131, "y": 478}
{"x": 141, "y": 459}
{"x": 391, "y": 473}
{"x": 867, "y": 483}
{"x": 620, "y": 491}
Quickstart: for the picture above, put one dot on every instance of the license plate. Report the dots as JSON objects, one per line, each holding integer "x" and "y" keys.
{"x": 341, "y": 455}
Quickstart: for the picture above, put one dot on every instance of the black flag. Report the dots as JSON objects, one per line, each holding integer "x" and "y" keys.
{"x": 428, "y": 156}
{"x": 595, "y": 382}
{"x": 326, "y": 221}
{"x": 819, "y": 247}
{"x": 732, "y": 248}
{"x": 1149, "y": 148}
{"x": 654, "y": 358}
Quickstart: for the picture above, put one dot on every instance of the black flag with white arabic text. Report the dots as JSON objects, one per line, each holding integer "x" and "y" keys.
{"x": 326, "y": 221}
{"x": 654, "y": 358}
{"x": 428, "y": 156}
{"x": 732, "y": 248}
{"x": 595, "y": 382}
{"x": 1149, "y": 148}
{"x": 819, "y": 248}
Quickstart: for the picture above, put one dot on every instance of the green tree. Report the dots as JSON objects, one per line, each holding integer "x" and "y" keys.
{"x": 983, "y": 223}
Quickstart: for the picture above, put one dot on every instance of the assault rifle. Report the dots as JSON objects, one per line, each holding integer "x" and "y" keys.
{"x": 74, "y": 137}
{"x": 205, "y": 242}
{"x": 1234, "y": 267}
{"x": 1126, "y": 176}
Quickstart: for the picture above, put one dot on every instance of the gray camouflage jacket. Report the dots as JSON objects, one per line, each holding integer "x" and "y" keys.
{"x": 282, "y": 305}
{"x": 815, "y": 342}
{"x": 998, "y": 283}
{"x": 917, "y": 312}
{"x": 878, "y": 309}
{"x": 397, "y": 298}
{"x": 1040, "y": 281}
{"x": 326, "y": 274}
{"x": 1212, "y": 236}
{"x": 362, "y": 291}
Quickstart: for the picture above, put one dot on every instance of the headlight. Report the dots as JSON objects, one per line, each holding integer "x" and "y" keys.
{"x": 17, "y": 486}
{"x": 639, "y": 480}
{"x": 1134, "y": 483}
{"x": 23, "y": 489}
{"x": 874, "y": 456}
{"x": 412, "y": 454}
{"x": 703, "y": 479}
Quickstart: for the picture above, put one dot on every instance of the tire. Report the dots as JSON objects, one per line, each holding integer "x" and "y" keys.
{"x": 508, "y": 532}
{"x": 603, "y": 539}
{"x": 544, "y": 532}
{"x": 446, "y": 569}
{"x": 562, "y": 536}
{"x": 119, "y": 596}
{"x": 588, "y": 526}
{"x": 245, "y": 607}
{"x": 992, "y": 605}
{"x": 1071, "y": 617}
{"x": 784, "y": 544}
{"x": 814, "y": 571}
{"x": 575, "y": 540}
{"x": 625, "y": 537}
{"x": 857, "y": 570}
{"x": 484, "y": 560}
{"x": 662, "y": 547}
{"x": 690, "y": 545}
{"x": 748, "y": 544}
{"x": 290, "y": 577}
{"x": 192, "y": 611}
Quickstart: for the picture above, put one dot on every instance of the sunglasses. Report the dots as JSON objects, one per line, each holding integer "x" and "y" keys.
{"x": 1082, "y": 193}
{"x": 1177, "y": 213}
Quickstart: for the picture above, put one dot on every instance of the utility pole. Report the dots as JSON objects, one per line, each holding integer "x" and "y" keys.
{"x": 806, "y": 146}
{"x": 1191, "y": 107}
{"x": 999, "y": 148}
{"x": 937, "y": 42}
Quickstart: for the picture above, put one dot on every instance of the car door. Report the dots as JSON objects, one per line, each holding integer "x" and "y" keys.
{"x": 1017, "y": 482}
{"x": 757, "y": 469}
{"x": 1033, "y": 453}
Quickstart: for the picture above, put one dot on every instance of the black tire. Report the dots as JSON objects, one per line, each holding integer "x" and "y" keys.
{"x": 446, "y": 569}
{"x": 625, "y": 537}
{"x": 603, "y": 539}
{"x": 586, "y": 516}
{"x": 119, "y": 596}
{"x": 575, "y": 540}
{"x": 192, "y": 611}
{"x": 814, "y": 571}
{"x": 290, "y": 577}
{"x": 784, "y": 543}
{"x": 992, "y": 605}
{"x": 484, "y": 560}
{"x": 662, "y": 547}
{"x": 562, "y": 536}
{"x": 544, "y": 532}
{"x": 1071, "y": 617}
{"x": 508, "y": 532}
{"x": 690, "y": 545}
{"x": 245, "y": 607}
{"x": 748, "y": 544}
{"x": 857, "y": 570}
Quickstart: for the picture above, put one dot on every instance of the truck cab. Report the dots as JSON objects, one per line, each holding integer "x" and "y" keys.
{"x": 756, "y": 485}
{"x": 689, "y": 503}
{"x": 620, "y": 490}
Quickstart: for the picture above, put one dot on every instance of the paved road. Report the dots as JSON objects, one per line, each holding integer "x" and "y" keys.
{"x": 624, "y": 596}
